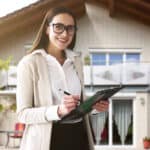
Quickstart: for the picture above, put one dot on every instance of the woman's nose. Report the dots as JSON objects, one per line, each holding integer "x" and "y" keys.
{"x": 65, "y": 33}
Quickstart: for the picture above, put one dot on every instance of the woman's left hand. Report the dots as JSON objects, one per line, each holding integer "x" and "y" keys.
{"x": 101, "y": 106}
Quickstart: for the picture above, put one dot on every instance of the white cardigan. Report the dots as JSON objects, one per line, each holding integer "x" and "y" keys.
{"x": 34, "y": 97}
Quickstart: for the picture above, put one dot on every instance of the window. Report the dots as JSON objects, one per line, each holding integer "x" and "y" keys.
{"x": 116, "y": 57}
{"x": 122, "y": 122}
{"x": 98, "y": 59}
{"x": 116, "y": 127}
{"x": 132, "y": 57}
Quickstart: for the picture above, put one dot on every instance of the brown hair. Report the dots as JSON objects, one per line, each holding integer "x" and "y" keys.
{"x": 42, "y": 40}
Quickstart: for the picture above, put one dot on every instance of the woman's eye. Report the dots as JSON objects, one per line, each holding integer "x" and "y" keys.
{"x": 59, "y": 26}
{"x": 71, "y": 27}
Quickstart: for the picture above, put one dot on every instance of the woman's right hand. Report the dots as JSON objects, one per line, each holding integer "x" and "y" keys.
{"x": 69, "y": 103}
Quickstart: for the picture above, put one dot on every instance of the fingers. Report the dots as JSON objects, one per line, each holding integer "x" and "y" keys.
{"x": 75, "y": 97}
{"x": 72, "y": 104}
{"x": 101, "y": 106}
{"x": 71, "y": 100}
{"x": 69, "y": 103}
{"x": 62, "y": 110}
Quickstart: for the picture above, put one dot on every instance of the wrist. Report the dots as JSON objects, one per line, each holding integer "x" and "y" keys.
{"x": 59, "y": 111}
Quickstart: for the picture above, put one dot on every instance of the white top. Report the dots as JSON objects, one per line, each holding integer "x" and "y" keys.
{"x": 65, "y": 77}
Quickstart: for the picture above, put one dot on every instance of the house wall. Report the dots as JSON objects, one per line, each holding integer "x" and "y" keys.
{"x": 13, "y": 44}
{"x": 148, "y": 112}
{"x": 142, "y": 123}
{"x": 98, "y": 30}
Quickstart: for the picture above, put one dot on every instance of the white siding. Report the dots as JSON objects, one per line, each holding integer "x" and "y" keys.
{"x": 98, "y": 30}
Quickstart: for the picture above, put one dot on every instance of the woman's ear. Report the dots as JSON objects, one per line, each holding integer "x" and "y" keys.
{"x": 48, "y": 30}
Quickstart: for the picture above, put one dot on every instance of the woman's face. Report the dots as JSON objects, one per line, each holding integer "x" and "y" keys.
{"x": 61, "y": 31}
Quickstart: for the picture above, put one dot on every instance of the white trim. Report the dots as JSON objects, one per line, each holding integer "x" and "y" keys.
{"x": 116, "y": 96}
{"x": 115, "y": 50}
{"x": 119, "y": 147}
{"x": 107, "y": 59}
{"x": 8, "y": 92}
{"x": 134, "y": 120}
{"x": 124, "y": 95}
{"x": 110, "y": 112}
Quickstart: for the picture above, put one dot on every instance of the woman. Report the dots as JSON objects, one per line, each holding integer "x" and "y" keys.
{"x": 43, "y": 75}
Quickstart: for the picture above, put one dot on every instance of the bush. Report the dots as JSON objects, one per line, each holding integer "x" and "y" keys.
{"x": 1, "y": 108}
{"x": 4, "y": 64}
{"x": 146, "y": 138}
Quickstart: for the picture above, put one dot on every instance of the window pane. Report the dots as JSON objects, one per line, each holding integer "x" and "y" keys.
{"x": 122, "y": 122}
{"x": 98, "y": 59}
{"x": 100, "y": 128}
{"x": 115, "y": 58}
{"x": 133, "y": 57}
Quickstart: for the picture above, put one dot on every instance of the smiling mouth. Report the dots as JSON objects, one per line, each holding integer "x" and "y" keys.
{"x": 62, "y": 40}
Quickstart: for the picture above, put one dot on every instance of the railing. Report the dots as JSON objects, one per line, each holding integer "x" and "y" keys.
{"x": 126, "y": 73}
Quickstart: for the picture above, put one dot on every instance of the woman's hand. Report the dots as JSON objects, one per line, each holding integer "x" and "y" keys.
{"x": 69, "y": 103}
{"x": 101, "y": 106}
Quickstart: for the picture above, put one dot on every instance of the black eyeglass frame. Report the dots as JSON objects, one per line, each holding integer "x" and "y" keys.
{"x": 65, "y": 27}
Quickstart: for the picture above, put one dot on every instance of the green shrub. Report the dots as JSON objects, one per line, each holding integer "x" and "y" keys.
{"x": 4, "y": 64}
{"x": 146, "y": 138}
{"x": 1, "y": 108}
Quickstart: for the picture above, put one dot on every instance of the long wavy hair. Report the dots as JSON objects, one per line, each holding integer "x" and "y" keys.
{"x": 42, "y": 40}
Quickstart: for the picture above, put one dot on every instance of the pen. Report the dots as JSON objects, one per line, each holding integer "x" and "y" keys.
{"x": 65, "y": 92}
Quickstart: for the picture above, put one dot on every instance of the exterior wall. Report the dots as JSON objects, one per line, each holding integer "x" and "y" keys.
{"x": 148, "y": 112}
{"x": 141, "y": 118}
{"x": 98, "y": 30}
{"x": 14, "y": 43}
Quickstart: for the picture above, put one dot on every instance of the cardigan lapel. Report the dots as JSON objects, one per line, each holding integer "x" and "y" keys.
{"x": 76, "y": 59}
{"x": 44, "y": 80}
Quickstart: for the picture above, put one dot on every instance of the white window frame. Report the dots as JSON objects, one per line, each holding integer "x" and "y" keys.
{"x": 107, "y": 51}
{"x": 110, "y": 146}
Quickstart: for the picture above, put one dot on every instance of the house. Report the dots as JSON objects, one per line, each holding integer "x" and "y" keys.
{"x": 115, "y": 36}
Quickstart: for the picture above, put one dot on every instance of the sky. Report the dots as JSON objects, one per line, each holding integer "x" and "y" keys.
{"x": 9, "y": 6}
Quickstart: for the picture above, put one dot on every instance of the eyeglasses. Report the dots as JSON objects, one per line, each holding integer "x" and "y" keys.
{"x": 60, "y": 28}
